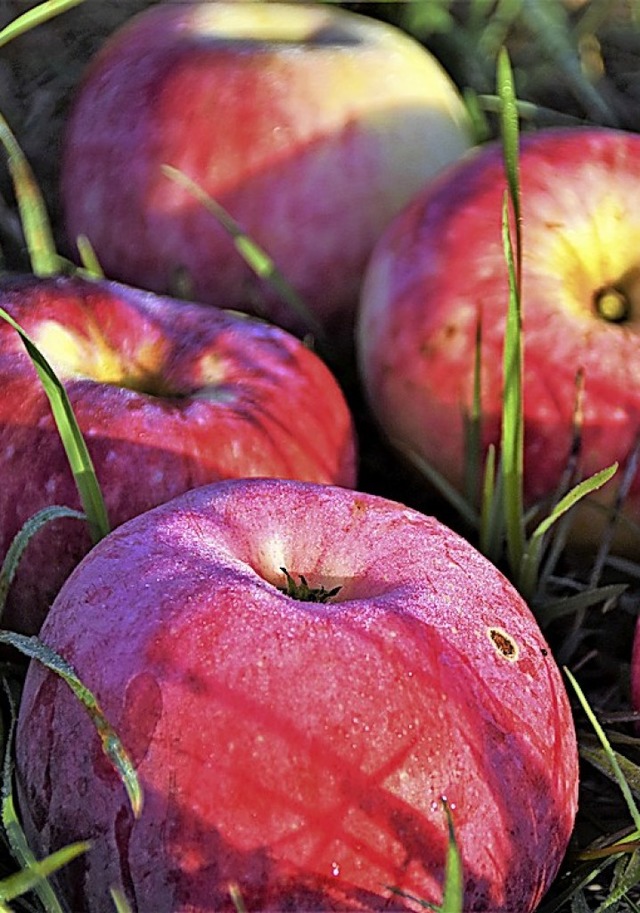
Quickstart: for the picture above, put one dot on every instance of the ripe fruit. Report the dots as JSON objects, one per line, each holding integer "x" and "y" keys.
{"x": 439, "y": 270}
{"x": 169, "y": 396}
{"x": 298, "y": 749}
{"x": 310, "y": 125}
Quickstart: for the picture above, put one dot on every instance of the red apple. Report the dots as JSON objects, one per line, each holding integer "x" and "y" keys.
{"x": 298, "y": 749}
{"x": 169, "y": 396}
{"x": 312, "y": 126}
{"x": 440, "y": 268}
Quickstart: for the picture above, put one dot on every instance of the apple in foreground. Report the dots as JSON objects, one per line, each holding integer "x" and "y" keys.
{"x": 439, "y": 270}
{"x": 312, "y": 126}
{"x": 299, "y": 749}
{"x": 169, "y": 395}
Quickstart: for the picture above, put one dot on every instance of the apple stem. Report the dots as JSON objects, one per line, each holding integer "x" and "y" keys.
{"x": 613, "y": 304}
{"x": 303, "y": 592}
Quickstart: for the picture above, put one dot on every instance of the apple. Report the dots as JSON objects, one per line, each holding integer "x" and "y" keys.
{"x": 169, "y": 395}
{"x": 300, "y": 749}
{"x": 439, "y": 270}
{"x": 312, "y": 126}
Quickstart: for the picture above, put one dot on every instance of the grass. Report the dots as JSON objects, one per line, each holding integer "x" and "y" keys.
{"x": 603, "y": 868}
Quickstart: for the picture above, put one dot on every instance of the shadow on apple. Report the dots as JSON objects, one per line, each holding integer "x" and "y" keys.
{"x": 299, "y": 749}
{"x": 311, "y": 209}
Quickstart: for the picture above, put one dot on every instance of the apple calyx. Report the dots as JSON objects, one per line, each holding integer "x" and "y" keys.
{"x": 613, "y": 304}
{"x": 151, "y": 385}
{"x": 303, "y": 592}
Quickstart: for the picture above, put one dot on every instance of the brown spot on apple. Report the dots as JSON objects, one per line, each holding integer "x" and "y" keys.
{"x": 504, "y": 644}
{"x": 358, "y": 507}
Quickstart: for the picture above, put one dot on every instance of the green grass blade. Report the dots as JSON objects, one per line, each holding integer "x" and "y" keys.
{"x": 627, "y": 876}
{"x": 33, "y": 876}
{"x": 88, "y": 258}
{"x": 37, "y": 871}
{"x": 119, "y": 901}
{"x": 71, "y": 436}
{"x": 634, "y": 908}
{"x": 236, "y": 898}
{"x": 577, "y": 493}
{"x": 453, "y": 888}
{"x": 510, "y": 137}
{"x": 528, "y": 573}
{"x": 491, "y": 511}
{"x": 15, "y": 835}
{"x": 549, "y": 22}
{"x": 480, "y": 127}
{"x": 610, "y": 754}
{"x": 599, "y": 759}
{"x": 111, "y": 744}
{"x": 22, "y": 539}
{"x": 33, "y": 17}
{"x": 531, "y": 112}
{"x": 512, "y": 440}
{"x": 259, "y": 261}
{"x": 473, "y": 427}
{"x": 569, "y": 605}
{"x": 453, "y": 891}
{"x": 627, "y": 844}
{"x": 442, "y": 485}
{"x": 33, "y": 212}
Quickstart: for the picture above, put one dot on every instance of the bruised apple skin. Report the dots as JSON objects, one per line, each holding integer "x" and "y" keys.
{"x": 310, "y": 125}
{"x": 168, "y": 395}
{"x": 440, "y": 269}
{"x": 298, "y": 749}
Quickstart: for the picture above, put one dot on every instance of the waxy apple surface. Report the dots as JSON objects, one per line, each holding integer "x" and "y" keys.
{"x": 310, "y": 125}
{"x": 168, "y": 395}
{"x": 439, "y": 271}
{"x": 299, "y": 750}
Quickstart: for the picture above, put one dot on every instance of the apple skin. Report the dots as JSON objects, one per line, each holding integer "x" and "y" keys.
{"x": 169, "y": 395}
{"x": 440, "y": 268}
{"x": 298, "y": 749}
{"x": 310, "y": 125}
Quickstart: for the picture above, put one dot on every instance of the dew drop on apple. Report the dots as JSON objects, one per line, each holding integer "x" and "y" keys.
{"x": 335, "y": 869}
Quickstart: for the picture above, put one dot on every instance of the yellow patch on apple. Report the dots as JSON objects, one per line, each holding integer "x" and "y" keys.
{"x": 89, "y": 355}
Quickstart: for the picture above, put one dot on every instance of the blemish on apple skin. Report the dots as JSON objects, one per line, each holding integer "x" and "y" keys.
{"x": 504, "y": 644}
{"x": 358, "y": 507}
